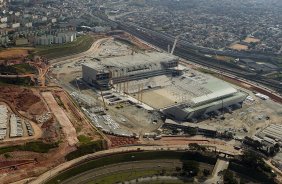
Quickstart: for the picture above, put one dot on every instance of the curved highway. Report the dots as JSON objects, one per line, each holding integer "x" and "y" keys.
{"x": 99, "y": 172}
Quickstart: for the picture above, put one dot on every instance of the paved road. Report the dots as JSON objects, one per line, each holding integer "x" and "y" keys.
{"x": 220, "y": 165}
{"x": 128, "y": 166}
{"x": 51, "y": 173}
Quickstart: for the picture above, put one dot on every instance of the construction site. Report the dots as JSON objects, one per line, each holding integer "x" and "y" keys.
{"x": 134, "y": 90}
{"x": 133, "y": 93}
{"x": 43, "y": 119}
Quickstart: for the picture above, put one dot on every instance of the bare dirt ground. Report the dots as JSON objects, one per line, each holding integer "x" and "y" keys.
{"x": 60, "y": 115}
{"x": 29, "y": 104}
{"x": 14, "y": 53}
{"x": 117, "y": 141}
{"x": 239, "y": 47}
{"x": 158, "y": 98}
{"x": 77, "y": 118}
{"x": 67, "y": 71}
{"x": 44, "y": 162}
{"x": 138, "y": 43}
{"x": 251, "y": 40}
{"x": 24, "y": 100}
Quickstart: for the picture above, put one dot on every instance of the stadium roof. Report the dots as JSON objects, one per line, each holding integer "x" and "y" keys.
{"x": 131, "y": 60}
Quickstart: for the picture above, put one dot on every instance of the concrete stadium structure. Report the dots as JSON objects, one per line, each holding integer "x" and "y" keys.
{"x": 180, "y": 93}
{"x": 207, "y": 105}
{"x": 116, "y": 70}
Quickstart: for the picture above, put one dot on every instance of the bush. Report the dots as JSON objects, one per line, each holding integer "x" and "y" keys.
{"x": 37, "y": 146}
{"x": 190, "y": 168}
{"x": 85, "y": 149}
{"x": 206, "y": 172}
{"x": 84, "y": 139}
{"x": 251, "y": 172}
{"x": 7, "y": 155}
{"x": 228, "y": 177}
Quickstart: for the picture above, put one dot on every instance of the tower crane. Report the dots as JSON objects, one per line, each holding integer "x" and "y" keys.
{"x": 174, "y": 44}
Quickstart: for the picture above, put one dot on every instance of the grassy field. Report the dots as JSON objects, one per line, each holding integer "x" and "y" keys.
{"x": 84, "y": 139}
{"x": 83, "y": 43}
{"x": 124, "y": 176}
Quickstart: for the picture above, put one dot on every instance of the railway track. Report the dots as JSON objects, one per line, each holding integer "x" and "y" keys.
{"x": 192, "y": 55}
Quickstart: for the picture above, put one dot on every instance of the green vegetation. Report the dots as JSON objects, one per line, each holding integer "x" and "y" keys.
{"x": 135, "y": 156}
{"x": 279, "y": 61}
{"x": 206, "y": 71}
{"x": 229, "y": 178}
{"x": 59, "y": 102}
{"x": 277, "y": 76}
{"x": 197, "y": 147}
{"x": 16, "y": 81}
{"x": 253, "y": 160}
{"x": 252, "y": 165}
{"x": 82, "y": 44}
{"x": 37, "y": 146}
{"x": 85, "y": 149}
{"x": 124, "y": 176}
{"x": 24, "y": 68}
{"x": 190, "y": 168}
{"x": 17, "y": 69}
{"x": 84, "y": 139}
{"x": 7, "y": 155}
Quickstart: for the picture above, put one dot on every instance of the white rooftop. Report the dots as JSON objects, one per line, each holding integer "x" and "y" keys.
{"x": 214, "y": 95}
{"x": 131, "y": 60}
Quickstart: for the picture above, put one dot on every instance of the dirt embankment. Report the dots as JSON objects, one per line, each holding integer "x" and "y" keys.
{"x": 23, "y": 100}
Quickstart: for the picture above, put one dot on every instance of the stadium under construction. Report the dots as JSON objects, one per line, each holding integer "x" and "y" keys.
{"x": 157, "y": 80}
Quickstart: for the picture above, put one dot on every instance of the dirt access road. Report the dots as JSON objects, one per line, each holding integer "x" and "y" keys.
{"x": 89, "y": 52}
{"x": 68, "y": 129}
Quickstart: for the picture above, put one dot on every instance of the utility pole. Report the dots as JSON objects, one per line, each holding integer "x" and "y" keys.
{"x": 105, "y": 107}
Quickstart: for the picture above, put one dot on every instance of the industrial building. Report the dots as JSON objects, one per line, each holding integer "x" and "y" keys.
{"x": 16, "y": 129}
{"x": 3, "y": 121}
{"x": 273, "y": 132}
{"x": 116, "y": 70}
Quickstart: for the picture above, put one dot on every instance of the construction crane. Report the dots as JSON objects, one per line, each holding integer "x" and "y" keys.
{"x": 168, "y": 48}
{"x": 174, "y": 44}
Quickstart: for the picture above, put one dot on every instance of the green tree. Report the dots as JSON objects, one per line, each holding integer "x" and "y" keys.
{"x": 190, "y": 168}
{"x": 206, "y": 172}
{"x": 197, "y": 147}
{"x": 228, "y": 177}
